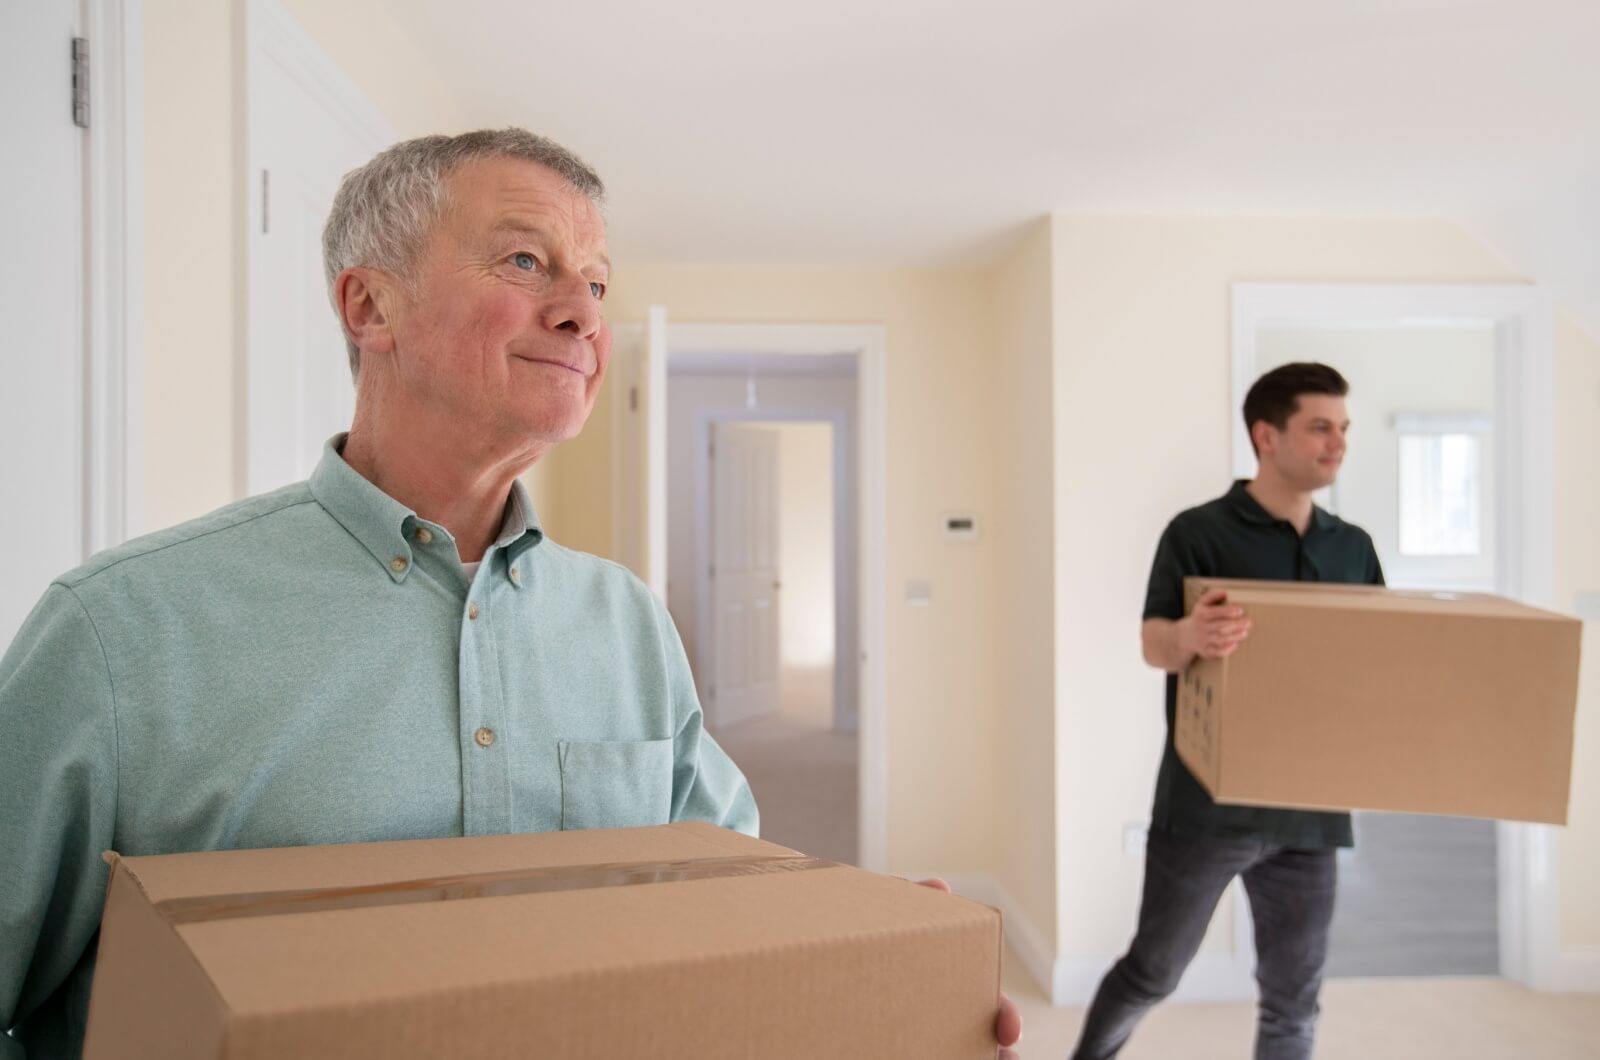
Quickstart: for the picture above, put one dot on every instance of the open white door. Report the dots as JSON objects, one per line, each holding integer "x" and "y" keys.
{"x": 42, "y": 304}
{"x": 309, "y": 126}
{"x": 744, "y": 572}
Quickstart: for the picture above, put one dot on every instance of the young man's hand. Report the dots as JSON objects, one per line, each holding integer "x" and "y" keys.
{"x": 1007, "y": 1021}
{"x": 1214, "y": 629}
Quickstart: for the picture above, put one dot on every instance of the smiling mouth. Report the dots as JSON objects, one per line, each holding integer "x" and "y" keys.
{"x": 574, "y": 369}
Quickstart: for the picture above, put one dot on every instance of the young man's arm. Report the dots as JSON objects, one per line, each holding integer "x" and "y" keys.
{"x": 1172, "y": 640}
{"x": 1213, "y": 630}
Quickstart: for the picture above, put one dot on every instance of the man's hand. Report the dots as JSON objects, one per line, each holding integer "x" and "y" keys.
{"x": 1213, "y": 630}
{"x": 1007, "y": 1021}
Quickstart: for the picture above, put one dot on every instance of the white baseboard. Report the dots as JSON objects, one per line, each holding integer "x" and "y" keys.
{"x": 1214, "y": 976}
{"x": 1576, "y": 971}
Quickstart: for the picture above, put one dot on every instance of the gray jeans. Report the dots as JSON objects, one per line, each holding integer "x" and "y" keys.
{"x": 1291, "y": 902}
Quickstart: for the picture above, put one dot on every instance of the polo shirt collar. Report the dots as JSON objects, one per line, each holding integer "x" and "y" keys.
{"x": 385, "y": 527}
{"x": 1251, "y": 511}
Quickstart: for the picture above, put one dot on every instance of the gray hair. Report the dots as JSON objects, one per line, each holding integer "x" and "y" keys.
{"x": 384, "y": 211}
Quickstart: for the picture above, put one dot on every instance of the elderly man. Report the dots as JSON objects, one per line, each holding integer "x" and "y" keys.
{"x": 389, "y": 650}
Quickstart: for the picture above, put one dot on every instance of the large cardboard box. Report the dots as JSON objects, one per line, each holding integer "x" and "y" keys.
{"x": 678, "y": 941}
{"x": 1350, "y": 697}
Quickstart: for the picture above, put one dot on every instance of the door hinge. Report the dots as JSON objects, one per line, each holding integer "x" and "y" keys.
{"x": 80, "y": 82}
{"x": 266, "y": 201}
{"x": 711, "y": 692}
{"x": 633, "y": 399}
{"x": 713, "y": 570}
{"x": 711, "y": 449}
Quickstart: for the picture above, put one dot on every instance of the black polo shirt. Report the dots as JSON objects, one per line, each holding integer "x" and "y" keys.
{"x": 1234, "y": 537}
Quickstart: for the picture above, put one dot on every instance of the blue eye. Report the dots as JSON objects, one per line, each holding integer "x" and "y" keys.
{"x": 525, "y": 262}
{"x": 598, "y": 290}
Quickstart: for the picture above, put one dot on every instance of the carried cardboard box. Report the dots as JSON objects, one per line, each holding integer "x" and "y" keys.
{"x": 683, "y": 940}
{"x": 1349, "y": 697}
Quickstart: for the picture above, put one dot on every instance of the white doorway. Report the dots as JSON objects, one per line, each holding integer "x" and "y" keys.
{"x": 643, "y": 361}
{"x": 1453, "y": 473}
{"x": 1418, "y": 894}
{"x": 775, "y": 510}
{"x": 308, "y": 125}
{"x": 762, "y": 578}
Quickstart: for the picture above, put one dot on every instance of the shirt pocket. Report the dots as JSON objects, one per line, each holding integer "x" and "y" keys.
{"x": 621, "y": 784}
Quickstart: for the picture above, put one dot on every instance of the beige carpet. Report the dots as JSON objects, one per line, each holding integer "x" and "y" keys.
{"x": 803, "y": 774}
{"x": 1362, "y": 1019}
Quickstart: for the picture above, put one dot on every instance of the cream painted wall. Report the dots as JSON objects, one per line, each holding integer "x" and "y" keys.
{"x": 372, "y": 45}
{"x": 1024, "y": 532}
{"x": 1142, "y": 360}
{"x": 191, "y": 301}
{"x": 940, "y": 665}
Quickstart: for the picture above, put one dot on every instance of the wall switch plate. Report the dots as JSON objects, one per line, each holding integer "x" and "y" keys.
{"x": 1133, "y": 836}
{"x": 919, "y": 593}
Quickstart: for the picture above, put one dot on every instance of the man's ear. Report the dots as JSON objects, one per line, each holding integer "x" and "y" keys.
{"x": 1262, "y": 433}
{"x": 364, "y": 297}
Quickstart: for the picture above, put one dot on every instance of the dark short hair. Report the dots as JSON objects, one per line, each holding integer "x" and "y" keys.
{"x": 1276, "y": 396}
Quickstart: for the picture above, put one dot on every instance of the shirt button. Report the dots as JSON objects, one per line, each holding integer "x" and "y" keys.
{"x": 424, "y": 536}
{"x": 472, "y": 612}
{"x": 516, "y": 575}
{"x": 484, "y": 736}
{"x": 398, "y": 564}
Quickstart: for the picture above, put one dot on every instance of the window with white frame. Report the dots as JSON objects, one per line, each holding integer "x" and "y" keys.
{"x": 1442, "y": 484}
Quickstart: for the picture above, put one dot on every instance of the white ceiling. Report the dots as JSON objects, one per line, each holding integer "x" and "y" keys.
{"x": 898, "y": 132}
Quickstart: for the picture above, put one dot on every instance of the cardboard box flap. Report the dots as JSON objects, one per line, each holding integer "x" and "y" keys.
{"x": 1376, "y": 598}
{"x": 631, "y": 960}
{"x": 354, "y": 956}
{"x": 165, "y": 877}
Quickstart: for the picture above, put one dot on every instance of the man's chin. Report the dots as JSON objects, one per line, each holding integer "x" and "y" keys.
{"x": 554, "y": 426}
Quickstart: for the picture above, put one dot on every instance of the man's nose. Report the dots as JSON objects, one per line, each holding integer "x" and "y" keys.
{"x": 574, "y": 309}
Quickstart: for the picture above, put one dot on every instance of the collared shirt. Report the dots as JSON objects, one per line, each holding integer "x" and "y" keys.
{"x": 314, "y": 665}
{"x": 1234, "y": 537}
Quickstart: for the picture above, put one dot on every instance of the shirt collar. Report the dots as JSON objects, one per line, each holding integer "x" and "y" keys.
{"x": 1251, "y": 511}
{"x": 386, "y": 528}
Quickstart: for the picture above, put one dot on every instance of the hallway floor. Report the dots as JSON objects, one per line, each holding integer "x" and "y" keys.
{"x": 804, "y": 774}
{"x": 1362, "y": 1019}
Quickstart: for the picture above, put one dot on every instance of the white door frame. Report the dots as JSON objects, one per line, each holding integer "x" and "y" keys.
{"x": 1521, "y": 315}
{"x": 844, "y": 589}
{"x": 114, "y": 274}
{"x": 273, "y": 36}
{"x": 868, "y": 343}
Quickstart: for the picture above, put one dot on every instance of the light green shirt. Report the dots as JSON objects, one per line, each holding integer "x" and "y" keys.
{"x": 314, "y": 666}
